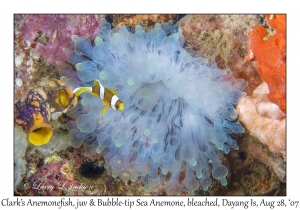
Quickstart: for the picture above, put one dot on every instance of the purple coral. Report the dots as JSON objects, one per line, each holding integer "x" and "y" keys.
{"x": 51, "y": 33}
{"x": 27, "y": 112}
{"x": 59, "y": 174}
{"x": 48, "y": 181}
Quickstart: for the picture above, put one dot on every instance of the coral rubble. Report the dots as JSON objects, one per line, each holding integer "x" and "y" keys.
{"x": 222, "y": 39}
{"x": 148, "y": 21}
{"x": 276, "y": 163}
{"x": 253, "y": 170}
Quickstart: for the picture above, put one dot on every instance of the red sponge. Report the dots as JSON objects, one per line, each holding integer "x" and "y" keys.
{"x": 271, "y": 56}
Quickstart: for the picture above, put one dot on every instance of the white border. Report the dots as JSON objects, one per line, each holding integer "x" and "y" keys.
{"x": 8, "y": 8}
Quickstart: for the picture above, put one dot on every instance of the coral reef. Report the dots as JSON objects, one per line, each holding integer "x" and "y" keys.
{"x": 51, "y": 33}
{"x": 270, "y": 52}
{"x": 264, "y": 119}
{"x": 70, "y": 162}
{"x": 178, "y": 112}
{"x": 33, "y": 116}
{"x": 148, "y": 21}
{"x": 223, "y": 39}
{"x": 264, "y": 172}
{"x": 277, "y": 163}
{"x": 41, "y": 74}
{"x": 60, "y": 173}
{"x": 23, "y": 60}
{"x": 260, "y": 181}
{"x": 20, "y": 147}
{"x": 253, "y": 170}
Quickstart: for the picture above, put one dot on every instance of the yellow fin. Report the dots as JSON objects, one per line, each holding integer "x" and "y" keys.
{"x": 80, "y": 90}
{"x": 104, "y": 110}
{"x": 114, "y": 91}
{"x": 94, "y": 94}
{"x": 106, "y": 103}
{"x": 96, "y": 83}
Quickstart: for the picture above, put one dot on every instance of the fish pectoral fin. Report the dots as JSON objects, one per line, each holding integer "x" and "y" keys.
{"x": 114, "y": 91}
{"x": 80, "y": 90}
{"x": 104, "y": 110}
{"x": 106, "y": 103}
{"x": 94, "y": 94}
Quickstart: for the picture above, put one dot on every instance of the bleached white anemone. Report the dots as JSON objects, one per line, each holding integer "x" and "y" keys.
{"x": 178, "y": 111}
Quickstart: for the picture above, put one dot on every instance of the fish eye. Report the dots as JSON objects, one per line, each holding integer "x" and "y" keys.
{"x": 117, "y": 107}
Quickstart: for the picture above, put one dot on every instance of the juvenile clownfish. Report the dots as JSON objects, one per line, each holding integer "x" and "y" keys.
{"x": 109, "y": 97}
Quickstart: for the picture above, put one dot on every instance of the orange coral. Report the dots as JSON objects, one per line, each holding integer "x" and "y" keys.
{"x": 66, "y": 170}
{"x": 271, "y": 56}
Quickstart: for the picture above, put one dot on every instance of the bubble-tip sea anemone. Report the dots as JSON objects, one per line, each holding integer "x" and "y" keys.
{"x": 178, "y": 111}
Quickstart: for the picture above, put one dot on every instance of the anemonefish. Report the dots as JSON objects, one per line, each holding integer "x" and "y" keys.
{"x": 109, "y": 97}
